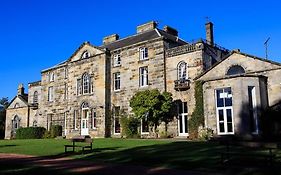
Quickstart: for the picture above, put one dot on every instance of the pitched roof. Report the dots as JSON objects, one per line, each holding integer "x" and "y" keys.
{"x": 65, "y": 61}
{"x": 140, "y": 37}
{"x": 238, "y": 52}
{"x": 23, "y": 98}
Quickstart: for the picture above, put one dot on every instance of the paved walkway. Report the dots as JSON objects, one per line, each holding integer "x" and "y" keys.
{"x": 69, "y": 166}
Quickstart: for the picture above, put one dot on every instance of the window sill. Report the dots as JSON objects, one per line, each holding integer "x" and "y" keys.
{"x": 143, "y": 60}
{"x": 145, "y": 86}
{"x": 117, "y": 65}
{"x": 116, "y": 91}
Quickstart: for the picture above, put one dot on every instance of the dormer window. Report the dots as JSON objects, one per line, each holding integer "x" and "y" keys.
{"x": 117, "y": 60}
{"x": 143, "y": 53}
{"x": 235, "y": 70}
{"x": 85, "y": 54}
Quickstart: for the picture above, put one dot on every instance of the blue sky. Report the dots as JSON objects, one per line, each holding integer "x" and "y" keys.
{"x": 35, "y": 35}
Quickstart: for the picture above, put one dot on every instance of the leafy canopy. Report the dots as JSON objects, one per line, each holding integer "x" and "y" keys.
{"x": 152, "y": 104}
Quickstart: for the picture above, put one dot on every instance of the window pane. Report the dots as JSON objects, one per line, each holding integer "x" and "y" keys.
{"x": 180, "y": 123}
{"x": 180, "y": 108}
{"x": 185, "y": 124}
{"x": 228, "y": 98}
{"x": 185, "y": 107}
{"x": 229, "y": 115}
{"x": 221, "y": 127}
{"x": 229, "y": 127}
{"x": 221, "y": 115}
{"x": 220, "y": 98}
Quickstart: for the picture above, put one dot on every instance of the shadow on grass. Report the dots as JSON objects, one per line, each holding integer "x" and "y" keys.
{"x": 180, "y": 156}
{"x": 2, "y": 146}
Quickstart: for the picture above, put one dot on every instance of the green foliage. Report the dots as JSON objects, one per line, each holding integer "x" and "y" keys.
{"x": 3, "y": 106}
{"x": 30, "y": 133}
{"x": 56, "y": 130}
{"x": 153, "y": 104}
{"x": 197, "y": 117}
{"x": 47, "y": 135}
{"x": 130, "y": 127}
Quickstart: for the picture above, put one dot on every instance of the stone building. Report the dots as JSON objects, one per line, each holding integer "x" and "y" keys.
{"x": 86, "y": 93}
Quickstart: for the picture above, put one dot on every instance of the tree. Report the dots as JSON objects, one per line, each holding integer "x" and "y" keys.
{"x": 3, "y": 106}
{"x": 152, "y": 104}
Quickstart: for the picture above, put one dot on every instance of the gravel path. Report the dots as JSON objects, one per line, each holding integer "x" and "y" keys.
{"x": 66, "y": 165}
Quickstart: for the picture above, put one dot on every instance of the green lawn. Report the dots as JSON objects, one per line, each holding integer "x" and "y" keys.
{"x": 188, "y": 155}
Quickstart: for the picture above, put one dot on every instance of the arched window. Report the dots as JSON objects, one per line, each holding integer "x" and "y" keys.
{"x": 85, "y": 54}
{"x": 86, "y": 83}
{"x": 35, "y": 97}
{"x": 17, "y": 105}
{"x": 235, "y": 70}
{"x": 182, "y": 71}
{"x": 85, "y": 105}
{"x": 16, "y": 122}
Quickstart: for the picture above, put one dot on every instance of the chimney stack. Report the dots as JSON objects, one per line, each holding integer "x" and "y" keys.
{"x": 110, "y": 38}
{"x": 20, "y": 89}
{"x": 171, "y": 30}
{"x": 146, "y": 27}
{"x": 209, "y": 33}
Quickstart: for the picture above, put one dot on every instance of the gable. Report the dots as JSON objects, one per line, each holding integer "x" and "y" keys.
{"x": 19, "y": 102}
{"x": 250, "y": 64}
{"x": 84, "y": 51}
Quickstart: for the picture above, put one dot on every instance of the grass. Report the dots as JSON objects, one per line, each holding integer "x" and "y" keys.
{"x": 195, "y": 156}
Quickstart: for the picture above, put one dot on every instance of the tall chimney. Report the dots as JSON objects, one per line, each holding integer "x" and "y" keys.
{"x": 209, "y": 33}
{"x": 20, "y": 89}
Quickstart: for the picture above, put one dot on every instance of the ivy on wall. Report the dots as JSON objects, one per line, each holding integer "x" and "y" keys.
{"x": 197, "y": 117}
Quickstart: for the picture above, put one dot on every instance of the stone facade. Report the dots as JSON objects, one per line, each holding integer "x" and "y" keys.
{"x": 85, "y": 92}
{"x": 252, "y": 91}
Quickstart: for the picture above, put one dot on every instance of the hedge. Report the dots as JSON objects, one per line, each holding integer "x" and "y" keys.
{"x": 56, "y": 130}
{"x": 30, "y": 133}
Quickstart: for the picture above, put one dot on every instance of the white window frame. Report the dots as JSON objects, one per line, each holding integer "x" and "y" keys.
{"x": 35, "y": 97}
{"x": 145, "y": 118}
{"x": 183, "y": 114}
{"x": 51, "y": 93}
{"x": 51, "y": 77}
{"x": 224, "y": 109}
{"x": 94, "y": 119}
{"x": 143, "y": 51}
{"x": 254, "y": 111}
{"x": 86, "y": 83}
{"x": 117, "y": 81}
{"x": 117, "y": 60}
{"x": 182, "y": 71}
{"x": 75, "y": 117}
{"x": 143, "y": 76}
{"x": 114, "y": 119}
{"x": 85, "y": 54}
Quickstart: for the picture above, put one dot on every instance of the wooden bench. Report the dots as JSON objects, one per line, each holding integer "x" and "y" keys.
{"x": 81, "y": 139}
{"x": 249, "y": 149}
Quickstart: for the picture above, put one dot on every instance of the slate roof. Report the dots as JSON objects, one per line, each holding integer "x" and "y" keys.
{"x": 148, "y": 35}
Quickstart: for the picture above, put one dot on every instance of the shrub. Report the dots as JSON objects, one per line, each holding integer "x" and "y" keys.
{"x": 47, "y": 135}
{"x": 56, "y": 130}
{"x": 30, "y": 133}
{"x": 205, "y": 133}
{"x": 130, "y": 127}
